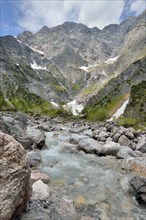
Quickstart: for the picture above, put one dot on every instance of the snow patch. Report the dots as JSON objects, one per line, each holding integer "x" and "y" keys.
{"x": 111, "y": 60}
{"x": 36, "y": 67}
{"x": 39, "y": 51}
{"x": 87, "y": 68}
{"x": 74, "y": 107}
{"x": 55, "y": 104}
{"x": 120, "y": 111}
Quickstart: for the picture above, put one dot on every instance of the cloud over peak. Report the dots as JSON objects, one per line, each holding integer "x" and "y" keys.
{"x": 99, "y": 13}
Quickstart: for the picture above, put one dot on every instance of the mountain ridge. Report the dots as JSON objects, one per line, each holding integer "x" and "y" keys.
{"x": 62, "y": 63}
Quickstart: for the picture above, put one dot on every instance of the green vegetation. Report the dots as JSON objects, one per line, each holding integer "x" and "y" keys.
{"x": 102, "y": 110}
{"x": 130, "y": 122}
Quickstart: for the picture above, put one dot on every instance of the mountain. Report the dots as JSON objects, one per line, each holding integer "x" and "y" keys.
{"x": 71, "y": 61}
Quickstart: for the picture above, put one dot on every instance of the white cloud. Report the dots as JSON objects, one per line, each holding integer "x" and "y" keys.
{"x": 38, "y": 13}
{"x": 138, "y": 6}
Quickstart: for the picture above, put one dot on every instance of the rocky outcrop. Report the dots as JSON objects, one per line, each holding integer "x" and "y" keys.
{"x": 14, "y": 177}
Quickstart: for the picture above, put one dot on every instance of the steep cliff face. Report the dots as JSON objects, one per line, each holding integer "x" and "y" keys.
{"x": 105, "y": 103}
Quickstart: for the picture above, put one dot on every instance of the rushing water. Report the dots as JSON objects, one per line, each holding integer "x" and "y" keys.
{"x": 97, "y": 181}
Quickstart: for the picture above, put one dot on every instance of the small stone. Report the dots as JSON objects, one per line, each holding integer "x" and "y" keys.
{"x": 79, "y": 201}
{"x": 39, "y": 176}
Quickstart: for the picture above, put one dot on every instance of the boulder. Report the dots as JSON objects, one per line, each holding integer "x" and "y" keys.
{"x": 137, "y": 164}
{"x": 37, "y": 135}
{"x": 40, "y": 190}
{"x": 34, "y": 158}
{"x": 35, "y": 176}
{"x": 124, "y": 141}
{"x": 76, "y": 138}
{"x": 110, "y": 148}
{"x": 129, "y": 135}
{"x": 65, "y": 209}
{"x": 89, "y": 145}
{"x": 125, "y": 152}
{"x": 15, "y": 187}
{"x": 22, "y": 119}
{"x": 3, "y": 126}
{"x": 141, "y": 145}
{"x": 102, "y": 136}
{"x": 138, "y": 189}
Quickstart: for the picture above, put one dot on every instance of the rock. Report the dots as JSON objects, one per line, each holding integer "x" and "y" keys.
{"x": 34, "y": 158}
{"x": 75, "y": 138}
{"x": 35, "y": 176}
{"x": 17, "y": 130}
{"x": 124, "y": 141}
{"x": 125, "y": 152}
{"x": 138, "y": 153}
{"x": 89, "y": 145}
{"x": 116, "y": 137}
{"x": 66, "y": 209}
{"x": 22, "y": 119}
{"x": 129, "y": 135}
{"x": 68, "y": 148}
{"x": 110, "y": 148}
{"x": 40, "y": 190}
{"x": 37, "y": 136}
{"x": 137, "y": 164}
{"x": 138, "y": 189}
{"x": 87, "y": 218}
{"x": 103, "y": 135}
{"x": 141, "y": 145}
{"x": 79, "y": 201}
{"x": 15, "y": 187}
{"x": 3, "y": 126}
{"x": 133, "y": 131}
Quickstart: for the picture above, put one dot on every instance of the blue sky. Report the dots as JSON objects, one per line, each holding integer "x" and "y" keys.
{"x": 20, "y": 15}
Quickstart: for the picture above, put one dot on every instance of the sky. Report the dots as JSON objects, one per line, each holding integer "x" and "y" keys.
{"x": 17, "y": 16}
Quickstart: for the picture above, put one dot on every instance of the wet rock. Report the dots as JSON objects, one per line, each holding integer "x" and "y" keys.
{"x": 79, "y": 201}
{"x": 138, "y": 189}
{"x": 14, "y": 177}
{"x": 141, "y": 145}
{"x": 110, "y": 148}
{"x": 87, "y": 218}
{"x": 34, "y": 158}
{"x": 68, "y": 148}
{"x": 40, "y": 190}
{"x": 137, "y": 164}
{"x": 37, "y": 136}
{"x": 89, "y": 145}
{"x": 124, "y": 141}
{"x": 125, "y": 152}
{"x": 75, "y": 138}
{"x": 35, "y": 176}
{"x": 66, "y": 209}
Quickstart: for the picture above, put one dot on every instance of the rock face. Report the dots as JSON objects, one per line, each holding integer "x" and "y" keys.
{"x": 15, "y": 177}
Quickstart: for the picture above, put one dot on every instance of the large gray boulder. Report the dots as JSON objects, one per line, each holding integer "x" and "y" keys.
{"x": 34, "y": 158}
{"x": 110, "y": 148}
{"x": 89, "y": 145}
{"x": 15, "y": 178}
{"x": 124, "y": 141}
{"x": 125, "y": 152}
{"x": 141, "y": 145}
